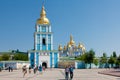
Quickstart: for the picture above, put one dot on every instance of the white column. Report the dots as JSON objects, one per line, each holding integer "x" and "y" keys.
{"x": 51, "y": 41}
{"x": 29, "y": 56}
{"x": 53, "y": 60}
{"x": 35, "y": 42}
{"x": 49, "y": 28}
{"x": 40, "y": 28}
{"x": 76, "y": 65}
{"x": 39, "y": 59}
{"x": 35, "y": 57}
{"x": 58, "y": 56}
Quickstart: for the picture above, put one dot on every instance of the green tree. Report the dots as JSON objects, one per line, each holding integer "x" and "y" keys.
{"x": 117, "y": 61}
{"x": 81, "y": 57}
{"x": 85, "y": 57}
{"x": 0, "y": 58}
{"x": 5, "y": 57}
{"x": 115, "y": 58}
{"x": 17, "y": 50}
{"x": 104, "y": 55}
{"x": 21, "y": 56}
{"x": 118, "y": 58}
{"x": 95, "y": 61}
{"x": 90, "y": 57}
{"x": 103, "y": 59}
{"x": 114, "y": 54}
{"x": 111, "y": 60}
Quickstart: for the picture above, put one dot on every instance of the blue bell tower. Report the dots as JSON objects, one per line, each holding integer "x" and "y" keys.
{"x": 43, "y": 52}
{"x": 43, "y": 35}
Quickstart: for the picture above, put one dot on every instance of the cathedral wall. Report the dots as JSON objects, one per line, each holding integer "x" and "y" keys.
{"x": 45, "y": 59}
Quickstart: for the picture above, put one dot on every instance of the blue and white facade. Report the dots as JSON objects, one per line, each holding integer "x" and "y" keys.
{"x": 43, "y": 53}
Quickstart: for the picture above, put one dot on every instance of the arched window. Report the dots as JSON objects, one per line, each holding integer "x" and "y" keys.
{"x": 43, "y": 41}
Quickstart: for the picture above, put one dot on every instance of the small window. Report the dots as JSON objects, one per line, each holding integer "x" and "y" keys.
{"x": 43, "y": 29}
{"x": 43, "y": 41}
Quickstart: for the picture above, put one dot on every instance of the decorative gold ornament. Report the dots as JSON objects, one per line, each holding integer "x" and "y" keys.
{"x": 80, "y": 45}
{"x": 60, "y": 48}
{"x": 43, "y": 19}
{"x": 72, "y": 42}
{"x": 68, "y": 45}
{"x": 65, "y": 48}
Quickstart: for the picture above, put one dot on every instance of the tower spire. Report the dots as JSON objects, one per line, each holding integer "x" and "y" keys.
{"x": 43, "y": 19}
{"x": 71, "y": 40}
{"x": 43, "y": 13}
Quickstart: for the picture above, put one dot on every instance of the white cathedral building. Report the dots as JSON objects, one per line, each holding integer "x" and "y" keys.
{"x": 43, "y": 53}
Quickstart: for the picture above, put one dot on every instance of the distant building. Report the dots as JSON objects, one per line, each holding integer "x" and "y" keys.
{"x": 43, "y": 52}
{"x": 14, "y": 64}
{"x": 71, "y": 49}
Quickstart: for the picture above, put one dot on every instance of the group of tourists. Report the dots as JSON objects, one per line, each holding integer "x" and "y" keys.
{"x": 69, "y": 72}
{"x": 10, "y": 68}
{"x": 35, "y": 69}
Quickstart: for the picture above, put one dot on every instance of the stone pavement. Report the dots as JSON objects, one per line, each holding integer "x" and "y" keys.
{"x": 112, "y": 72}
{"x": 57, "y": 74}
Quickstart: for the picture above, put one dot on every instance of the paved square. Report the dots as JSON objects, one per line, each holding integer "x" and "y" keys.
{"x": 56, "y": 74}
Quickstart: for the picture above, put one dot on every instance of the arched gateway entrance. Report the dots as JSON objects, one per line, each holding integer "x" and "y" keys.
{"x": 44, "y": 64}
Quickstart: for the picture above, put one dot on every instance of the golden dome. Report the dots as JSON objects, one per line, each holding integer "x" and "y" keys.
{"x": 43, "y": 19}
{"x": 80, "y": 45}
{"x": 83, "y": 48}
{"x": 72, "y": 42}
{"x": 60, "y": 48}
{"x": 65, "y": 48}
{"x": 68, "y": 45}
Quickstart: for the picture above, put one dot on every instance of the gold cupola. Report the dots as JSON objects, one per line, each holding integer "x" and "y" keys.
{"x": 80, "y": 45}
{"x": 65, "y": 48}
{"x": 43, "y": 19}
{"x": 68, "y": 45}
{"x": 60, "y": 48}
{"x": 72, "y": 42}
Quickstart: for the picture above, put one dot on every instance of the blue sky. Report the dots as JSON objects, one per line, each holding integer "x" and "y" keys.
{"x": 96, "y": 23}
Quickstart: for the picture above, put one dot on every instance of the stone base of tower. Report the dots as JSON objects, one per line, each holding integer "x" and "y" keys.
{"x": 48, "y": 59}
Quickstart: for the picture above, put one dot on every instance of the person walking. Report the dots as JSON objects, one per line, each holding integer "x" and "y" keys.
{"x": 40, "y": 69}
{"x": 71, "y": 72}
{"x": 34, "y": 69}
{"x": 44, "y": 68}
{"x": 29, "y": 69}
{"x": 9, "y": 68}
{"x": 66, "y": 73}
{"x": 24, "y": 70}
{"x": 0, "y": 68}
